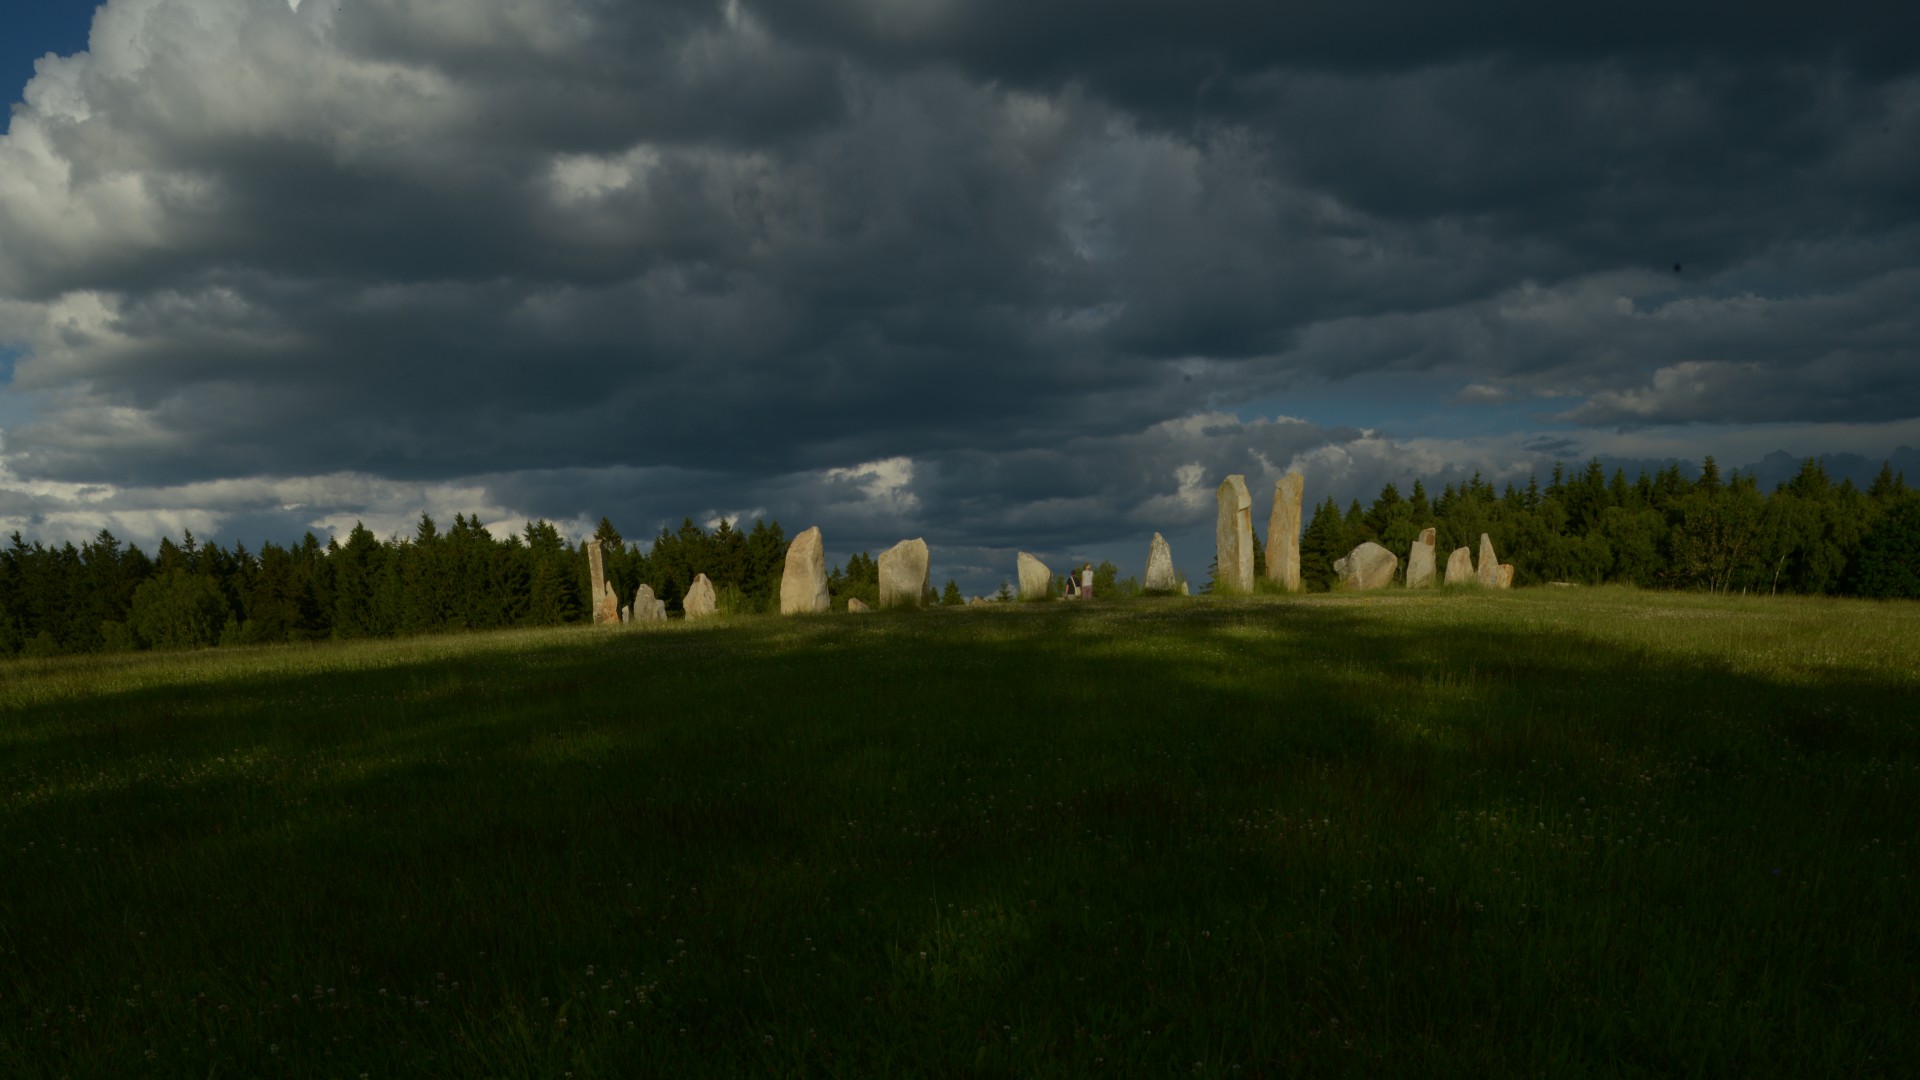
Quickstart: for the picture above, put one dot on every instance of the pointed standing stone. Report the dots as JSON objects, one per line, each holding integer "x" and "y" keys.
{"x": 596, "y": 568}
{"x": 1487, "y": 570}
{"x": 1034, "y": 576}
{"x": 1460, "y": 568}
{"x": 903, "y": 574}
{"x": 1233, "y": 536}
{"x": 1506, "y": 575}
{"x": 1160, "y": 576}
{"x": 803, "y": 587}
{"x": 1283, "y": 532}
{"x": 1420, "y": 560}
{"x": 700, "y": 602}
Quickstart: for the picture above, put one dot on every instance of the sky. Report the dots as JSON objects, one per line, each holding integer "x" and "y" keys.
{"x": 1002, "y": 274}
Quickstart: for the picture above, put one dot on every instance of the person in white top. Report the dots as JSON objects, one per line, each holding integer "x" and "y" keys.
{"x": 1086, "y": 582}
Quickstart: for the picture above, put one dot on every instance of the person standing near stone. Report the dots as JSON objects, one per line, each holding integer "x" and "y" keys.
{"x": 1073, "y": 585}
{"x": 1086, "y": 582}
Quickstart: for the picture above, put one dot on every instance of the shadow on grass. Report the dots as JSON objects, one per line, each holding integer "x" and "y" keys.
{"x": 970, "y": 810}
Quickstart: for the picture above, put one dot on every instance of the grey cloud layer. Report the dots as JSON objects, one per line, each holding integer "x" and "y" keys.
{"x": 511, "y": 245}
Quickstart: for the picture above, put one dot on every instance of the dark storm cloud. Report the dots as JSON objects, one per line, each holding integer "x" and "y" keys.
{"x": 546, "y": 255}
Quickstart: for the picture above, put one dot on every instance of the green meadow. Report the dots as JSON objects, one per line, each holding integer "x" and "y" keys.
{"x": 1551, "y": 832}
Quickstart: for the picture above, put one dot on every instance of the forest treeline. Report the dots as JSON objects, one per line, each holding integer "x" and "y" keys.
{"x": 1661, "y": 530}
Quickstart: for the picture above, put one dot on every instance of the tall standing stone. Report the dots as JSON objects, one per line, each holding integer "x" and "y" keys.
{"x": 1368, "y": 566}
{"x": 1233, "y": 536}
{"x": 803, "y": 586}
{"x": 596, "y": 567}
{"x": 903, "y": 574}
{"x": 1283, "y": 532}
{"x": 644, "y": 609}
{"x": 1035, "y": 578}
{"x": 1460, "y": 568}
{"x": 1160, "y": 576}
{"x": 1487, "y": 570}
{"x": 700, "y": 601}
{"x": 1420, "y": 560}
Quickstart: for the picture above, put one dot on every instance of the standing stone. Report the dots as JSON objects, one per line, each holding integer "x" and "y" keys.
{"x": 606, "y": 612}
{"x": 1283, "y": 532}
{"x": 1233, "y": 536}
{"x": 857, "y": 606}
{"x": 596, "y": 567}
{"x": 659, "y": 611}
{"x": 1160, "y": 576}
{"x": 1183, "y": 589}
{"x": 643, "y": 605}
{"x": 1420, "y": 560}
{"x": 1460, "y": 568}
{"x": 1368, "y": 566}
{"x": 1506, "y": 575}
{"x": 903, "y": 574}
{"x": 1487, "y": 570}
{"x": 803, "y": 587}
{"x": 1034, "y": 577}
{"x": 700, "y": 602}
{"x": 626, "y": 615}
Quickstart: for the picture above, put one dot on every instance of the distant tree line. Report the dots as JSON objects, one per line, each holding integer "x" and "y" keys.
{"x": 108, "y": 596}
{"x": 1660, "y": 530}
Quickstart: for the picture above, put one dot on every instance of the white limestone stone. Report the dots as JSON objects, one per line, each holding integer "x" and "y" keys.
{"x": 803, "y": 587}
{"x": 1368, "y": 566}
{"x": 1160, "y": 576}
{"x": 1487, "y": 570}
{"x": 1283, "y": 532}
{"x": 903, "y": 574}
{"x": 1035, "y": 578}
{"x": 1420, "y": 560}
{"x": 1233, "y": 536}
{"x": 1460, "y": 568}
{"x": 700, "y": 601}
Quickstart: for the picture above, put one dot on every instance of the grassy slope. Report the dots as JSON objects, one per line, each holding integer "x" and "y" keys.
{"x": 1559, "y": 831}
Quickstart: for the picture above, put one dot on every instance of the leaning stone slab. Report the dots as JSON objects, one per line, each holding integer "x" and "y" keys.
{"x": 1283, "y": 532}
{"x": 1460, "y": 568}
{"x": 1420, "y": 561}
{"x": 700, "y": 602}
{"x": 803, "y": 587}
{"x": 857, "y": 606}
{"x": 1233, "y": 536}
{"x": 1160, "y": 576}
{"x": 1487, "y": 570}
{"x": 903, "y": 574}
{"x": 1506, "y": 575}
{"x": 1368, "y": 566}
{"x": 1034, "y": 576}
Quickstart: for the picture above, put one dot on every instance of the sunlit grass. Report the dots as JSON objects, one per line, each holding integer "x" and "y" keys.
{"x": 1541, "y": 832}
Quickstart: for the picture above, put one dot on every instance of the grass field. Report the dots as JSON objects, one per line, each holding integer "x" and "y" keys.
{"x": 1548, "y": 832}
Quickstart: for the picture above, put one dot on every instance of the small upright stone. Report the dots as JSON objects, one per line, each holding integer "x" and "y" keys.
{"x": 1420, "y": 560}
{"x": 1487, "y": 570}
{"x": 1283, "y": 532}
{"x": 1368, "y": 566}
{"x": 1035, "y": 578}
{"x": 659, "y": 611}
{"x": 803, "y": 587}
{"x": 1233, "y": 536}
{"x": 607, "y": 611}
{"x": 643, "y": 605}
{"x": 857, "y": 606}
{"x": 626, "y": 615}
{"x": 1160, "y": 576}
{"x": 1460, "y": 568}
{"x": 700, "y": 602}
{"x": 1506, "y": 575}
{"x": 903, "y": 574}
